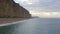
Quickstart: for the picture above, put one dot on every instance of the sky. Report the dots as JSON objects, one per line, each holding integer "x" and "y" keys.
{"x": 47, "y": 7}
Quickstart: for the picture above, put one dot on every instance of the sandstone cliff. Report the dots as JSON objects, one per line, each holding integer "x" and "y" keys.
{"x": 8, "y": 8}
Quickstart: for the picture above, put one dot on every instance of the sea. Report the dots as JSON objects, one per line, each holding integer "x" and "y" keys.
{"x": 35, "y": 25}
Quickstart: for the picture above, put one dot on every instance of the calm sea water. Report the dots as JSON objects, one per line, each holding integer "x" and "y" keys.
{"x": 34, "y": 26}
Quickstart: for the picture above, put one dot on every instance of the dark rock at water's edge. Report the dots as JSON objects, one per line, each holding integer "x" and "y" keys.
{"x": 8, "y": 8}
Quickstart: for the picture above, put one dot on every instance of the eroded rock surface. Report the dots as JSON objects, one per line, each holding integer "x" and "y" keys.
{"x": 8, "y": 8}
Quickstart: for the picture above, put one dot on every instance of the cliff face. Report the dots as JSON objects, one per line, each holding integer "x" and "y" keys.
{"x": 8, "y": 8}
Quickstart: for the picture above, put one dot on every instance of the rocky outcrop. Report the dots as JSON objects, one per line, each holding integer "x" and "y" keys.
{"x": 8, "y": 8}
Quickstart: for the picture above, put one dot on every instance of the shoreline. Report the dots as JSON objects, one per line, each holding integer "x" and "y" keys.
{"x": 10, "y": 20}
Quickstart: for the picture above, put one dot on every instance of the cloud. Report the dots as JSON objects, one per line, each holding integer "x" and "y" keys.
{"x": 46, "y": 14}
{"x": 47, "y": 5}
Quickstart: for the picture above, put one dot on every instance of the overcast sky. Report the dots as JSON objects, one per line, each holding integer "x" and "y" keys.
{"x": 44, "y": 5}
{"x": 39, "y": 7}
